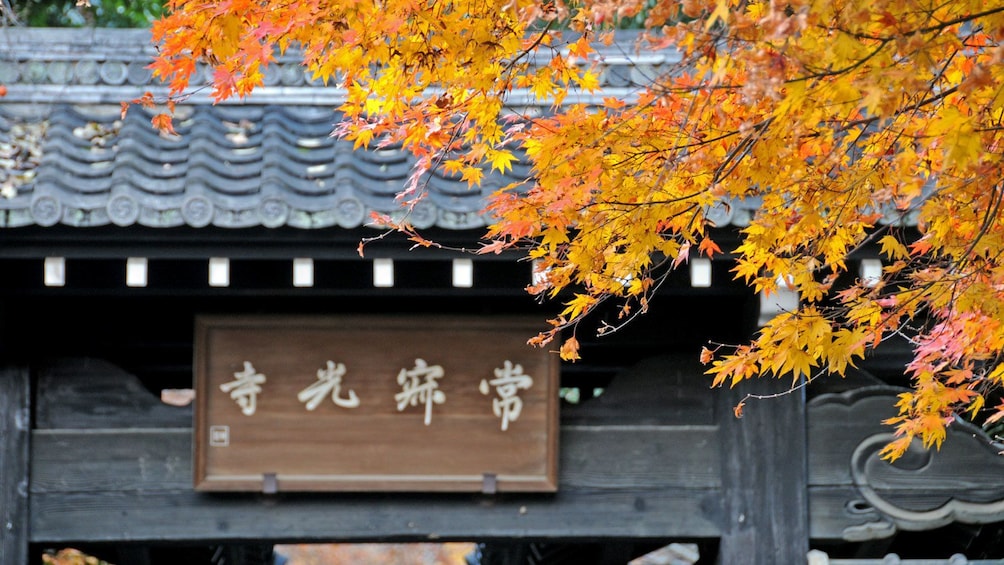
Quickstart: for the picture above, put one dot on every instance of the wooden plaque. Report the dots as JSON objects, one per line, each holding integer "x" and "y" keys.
{"x": 373, "y": 403}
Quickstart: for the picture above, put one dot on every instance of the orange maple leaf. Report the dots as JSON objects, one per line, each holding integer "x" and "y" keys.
{"x": 920, "y": 247}
{"x": 163, "y": 123}
{"x": 738, "y": 409}
{"x": 706, "y": 355}
{"x": 614, "y": 103}
{"x": 145, "y": 101}
{"x": 569, "y": 350}
{"x": 709, "y": 247}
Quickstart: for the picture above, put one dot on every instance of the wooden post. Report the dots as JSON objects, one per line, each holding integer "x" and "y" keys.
{"x": 14, "y": 436}
{"x": 765, "y": 517}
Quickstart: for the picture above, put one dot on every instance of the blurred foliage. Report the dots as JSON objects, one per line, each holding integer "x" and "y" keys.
{"x": 377, "y": 553}
{"x": 71, "y": 556}
{"x": 140, "y": 13}
{"x": 101, "y": 13}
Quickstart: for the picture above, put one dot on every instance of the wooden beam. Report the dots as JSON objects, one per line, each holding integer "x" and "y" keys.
{"x": 99, "y": 476}
{"x": 15, "y": 410}
{"x": 91, "y": 393}
{"x": 191, "y": 517}
{"x": 765, "y": 516}
{"x": 135, "y": 485}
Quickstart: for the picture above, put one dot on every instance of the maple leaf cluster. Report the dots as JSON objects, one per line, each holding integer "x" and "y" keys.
{"x": 832, "y": 114}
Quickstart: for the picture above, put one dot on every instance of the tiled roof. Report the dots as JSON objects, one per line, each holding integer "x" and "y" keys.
{"x": 231, "y": 166}
{"x": 268, "y": 161}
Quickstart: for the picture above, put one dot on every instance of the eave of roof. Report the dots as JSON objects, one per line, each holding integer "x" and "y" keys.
{"x": 266, "y": 161}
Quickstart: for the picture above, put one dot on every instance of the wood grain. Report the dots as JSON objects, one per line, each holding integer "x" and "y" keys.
{"x": 125, "y": 475}
{"x": 92, "y": 393}
{"x": 15, "y": 410}
{"x": 118, "y": 485}
{"x": 765, "y": 514}
{"x": 375, "y": 446}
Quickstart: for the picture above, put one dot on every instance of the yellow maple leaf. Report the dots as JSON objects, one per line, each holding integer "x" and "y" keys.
{"x": 817, "y": 117}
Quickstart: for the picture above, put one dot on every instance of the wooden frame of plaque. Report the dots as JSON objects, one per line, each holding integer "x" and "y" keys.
{"x": 374, "y": 403}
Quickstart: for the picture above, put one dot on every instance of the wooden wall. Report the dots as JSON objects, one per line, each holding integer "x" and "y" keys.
{"x": 115, "y": 471}
{"x": 656, "y": 457}
{"x": 15, "y": 411}
{"x": 643, "y": 461}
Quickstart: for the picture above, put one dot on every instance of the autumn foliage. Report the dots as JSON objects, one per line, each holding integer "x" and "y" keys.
{"x": 832, "y": 114}
{"x": 71, "y": 556}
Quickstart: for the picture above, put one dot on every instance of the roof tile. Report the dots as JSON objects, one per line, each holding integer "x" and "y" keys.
{"x": 269, "y": 162}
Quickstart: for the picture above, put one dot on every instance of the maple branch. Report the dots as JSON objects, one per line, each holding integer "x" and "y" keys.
{"x": 533, "y": 46}
{"x": 931, "y": 29}
{"x": 741, "y": 150}
{"x": 990, "y": 216}
{"x": 837, "y": 72}
{"x": 738, "y": 409}
{"x": 631, "y": 205}
{"x": 901, "y": 111}
{"x": 608, "y": 329}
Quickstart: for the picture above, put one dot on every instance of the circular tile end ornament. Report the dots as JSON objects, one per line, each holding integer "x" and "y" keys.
{"x": 424, "y": 214}
{"x": 273, "y": 212}
{"x": 123, "y": 210}
{"x": 46, "y": 210}
{"x": 351, "y": 212}
{"x": 197, "y": 212}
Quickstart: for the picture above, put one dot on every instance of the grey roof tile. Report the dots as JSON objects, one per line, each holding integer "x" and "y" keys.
{"x": 268, "y": 162}
{"x": 230, "y": 166}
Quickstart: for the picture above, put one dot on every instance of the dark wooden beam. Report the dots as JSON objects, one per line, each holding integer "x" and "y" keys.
{"x": 15, "y": 411}
{"x": 109, "y": 463}
{"x": 135, "y": 485}
{"x": 123, "y": 472}
{"x": 765, "y": 517}
{"x": 85, "y": 393}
